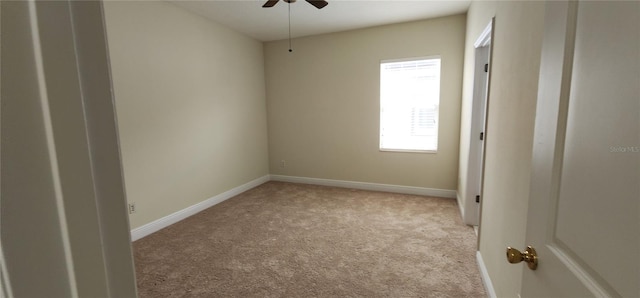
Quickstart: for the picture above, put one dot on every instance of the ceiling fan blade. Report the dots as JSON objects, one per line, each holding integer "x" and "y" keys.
{"x": 318, "y": 3}
{"x": 270, "y": 3}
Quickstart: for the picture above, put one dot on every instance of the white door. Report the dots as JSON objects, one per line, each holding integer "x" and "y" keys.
{"x": 584, "y": 212}
{"x": 64, "y": 222}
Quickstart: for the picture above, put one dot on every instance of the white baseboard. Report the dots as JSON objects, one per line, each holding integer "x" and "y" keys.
{"x": 460, "y": 205}
{"x": 412, "y": 190}
{"x": 175, "y": 217}
{"x": 486, "y": 280}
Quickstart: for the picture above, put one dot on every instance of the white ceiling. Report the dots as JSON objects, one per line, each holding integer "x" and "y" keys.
{"x": 268, "y": 24}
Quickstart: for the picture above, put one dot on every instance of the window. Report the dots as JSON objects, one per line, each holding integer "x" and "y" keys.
{"x": 409, "y": 101}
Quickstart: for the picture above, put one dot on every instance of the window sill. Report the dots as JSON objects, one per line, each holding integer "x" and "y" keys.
{"x": 409, "y": 151}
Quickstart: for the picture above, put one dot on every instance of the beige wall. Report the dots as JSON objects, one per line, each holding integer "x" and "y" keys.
{"x": 323, "y": 104}
{"x": 190, "y": 100}
{"x": 514, "y": 82}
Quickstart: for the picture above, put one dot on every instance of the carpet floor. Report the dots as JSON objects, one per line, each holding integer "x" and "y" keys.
{"x": 293, "y": 240}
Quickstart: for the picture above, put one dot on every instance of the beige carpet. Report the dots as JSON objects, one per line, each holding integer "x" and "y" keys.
{"x": 293, "y": 240}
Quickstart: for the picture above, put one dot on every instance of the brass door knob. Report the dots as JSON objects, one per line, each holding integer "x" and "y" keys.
{"x": 530, "y": 256}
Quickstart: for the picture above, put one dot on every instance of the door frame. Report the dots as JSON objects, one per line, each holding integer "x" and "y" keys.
{"x": 479, "y": 112}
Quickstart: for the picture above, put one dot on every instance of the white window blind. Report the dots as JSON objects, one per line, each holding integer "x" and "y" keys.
{"x": 409, "y": 104}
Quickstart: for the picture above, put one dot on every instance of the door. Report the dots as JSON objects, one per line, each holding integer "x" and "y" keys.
{"x": 585, "y": 190}
{"x": 65, "y": 230}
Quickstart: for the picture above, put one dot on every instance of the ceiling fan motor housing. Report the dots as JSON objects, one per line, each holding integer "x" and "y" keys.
{"x": 317, "y": 3}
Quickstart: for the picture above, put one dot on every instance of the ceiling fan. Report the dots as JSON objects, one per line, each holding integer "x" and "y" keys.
{"x": 317, "y": 3}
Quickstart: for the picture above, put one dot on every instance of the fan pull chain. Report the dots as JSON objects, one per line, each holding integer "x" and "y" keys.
{"x": 289, "y": 5}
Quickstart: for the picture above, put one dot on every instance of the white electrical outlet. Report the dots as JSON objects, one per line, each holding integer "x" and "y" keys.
{"x": 283, "y": 163}
{"x": 132, "y": 208}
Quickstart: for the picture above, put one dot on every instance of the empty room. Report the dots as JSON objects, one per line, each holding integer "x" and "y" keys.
{"x": 319, "y": 148}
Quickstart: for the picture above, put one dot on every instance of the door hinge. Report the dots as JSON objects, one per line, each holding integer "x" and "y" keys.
{"x": 486, "y": 67}
{"x": 482, "y": 136}
{"x": 478, "y": 199}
